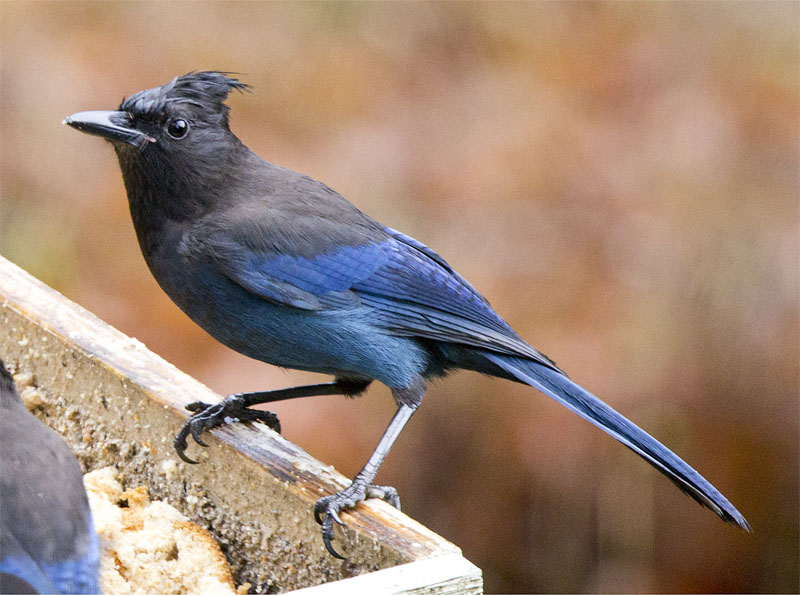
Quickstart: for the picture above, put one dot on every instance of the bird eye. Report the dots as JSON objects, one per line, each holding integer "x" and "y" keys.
{"x": 178, "y": 128}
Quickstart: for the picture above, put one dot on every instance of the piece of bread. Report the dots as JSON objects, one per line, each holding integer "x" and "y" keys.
{"x": 149, "y": 547}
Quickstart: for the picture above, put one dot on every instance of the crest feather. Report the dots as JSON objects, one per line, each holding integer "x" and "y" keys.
{"x": 204, "y": 90}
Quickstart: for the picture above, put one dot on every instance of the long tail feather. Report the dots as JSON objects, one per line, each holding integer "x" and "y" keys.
{"x": 559, "y": 387}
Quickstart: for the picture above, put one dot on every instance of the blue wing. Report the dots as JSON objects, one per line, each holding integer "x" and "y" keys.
{"x": 411, "y": 290}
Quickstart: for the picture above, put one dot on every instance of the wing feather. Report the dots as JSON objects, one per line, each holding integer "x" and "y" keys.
{"x": 411, "y": 290}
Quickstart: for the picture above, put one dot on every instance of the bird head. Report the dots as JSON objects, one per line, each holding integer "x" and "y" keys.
{"x": 187, "y": 110}
{"x": 172, "y": 142}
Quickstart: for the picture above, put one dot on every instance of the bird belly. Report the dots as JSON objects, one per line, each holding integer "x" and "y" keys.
{"x": 340, "y": 342}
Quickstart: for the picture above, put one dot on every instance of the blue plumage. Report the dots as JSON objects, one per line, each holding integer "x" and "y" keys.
{"x": 282, "y": 268}
{"x": 334, "y": 271}
{"x": 589, "y": 407}
{"x": 69, "y": 576}
{"x": 409, "y": 290}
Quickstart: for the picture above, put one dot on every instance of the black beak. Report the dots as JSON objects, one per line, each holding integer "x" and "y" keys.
{"x": 114, "y": 126}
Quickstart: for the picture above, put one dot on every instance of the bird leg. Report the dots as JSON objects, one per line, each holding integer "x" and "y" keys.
{"x": 326, "y": 510}
{"x": 236, "y": 408}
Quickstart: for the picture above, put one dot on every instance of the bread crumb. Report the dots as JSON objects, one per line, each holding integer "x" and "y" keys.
{"x": 23, "y": 379}
{"x": 150, "y": 547}
{"x": 170, "y": 468}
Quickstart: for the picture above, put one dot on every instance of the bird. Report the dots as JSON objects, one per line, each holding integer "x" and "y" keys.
{"x": 47, "y": 540}
{"x": 281, "y": 268}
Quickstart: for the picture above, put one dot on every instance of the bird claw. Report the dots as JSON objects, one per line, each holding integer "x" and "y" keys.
{"x": 196, "y": 435}
{"x": 181, "y": 445}
{"x": 197, "y": 406}
{"x": 208, "y": 416}
{"x": 326, "y": 509}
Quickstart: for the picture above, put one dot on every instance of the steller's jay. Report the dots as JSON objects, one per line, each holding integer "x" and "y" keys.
{"x": 283, "y": 269}
{"x": 47, "y": 540}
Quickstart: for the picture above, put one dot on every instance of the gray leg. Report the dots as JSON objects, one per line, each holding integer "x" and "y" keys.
{"x": 326, "y": 510}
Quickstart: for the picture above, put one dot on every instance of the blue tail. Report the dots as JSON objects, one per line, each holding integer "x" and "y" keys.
{"x": 555, "y": 384}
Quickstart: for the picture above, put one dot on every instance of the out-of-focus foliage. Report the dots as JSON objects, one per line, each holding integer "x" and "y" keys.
{"x": 621, "y": 180}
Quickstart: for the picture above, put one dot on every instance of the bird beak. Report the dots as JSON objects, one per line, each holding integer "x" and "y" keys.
{"x": 113, "y": 126}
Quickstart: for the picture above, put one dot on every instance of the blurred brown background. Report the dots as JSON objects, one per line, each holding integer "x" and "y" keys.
{"x": 621, "y": 180}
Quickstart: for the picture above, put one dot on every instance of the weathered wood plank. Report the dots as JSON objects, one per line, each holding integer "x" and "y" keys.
{"x": 445, "y": 574}
{"x": 119, "y": 404}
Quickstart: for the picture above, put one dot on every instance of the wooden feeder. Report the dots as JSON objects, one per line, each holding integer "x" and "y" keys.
{"x": 116, "y": 403}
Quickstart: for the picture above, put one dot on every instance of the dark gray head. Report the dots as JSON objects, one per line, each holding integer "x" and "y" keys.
{"x": 171, "y": 141}
{"x": 164, "y": 114}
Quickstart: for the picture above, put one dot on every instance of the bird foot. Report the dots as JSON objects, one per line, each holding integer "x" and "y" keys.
{"x": 326, "y": 509}
{"x": 207, "y": 416}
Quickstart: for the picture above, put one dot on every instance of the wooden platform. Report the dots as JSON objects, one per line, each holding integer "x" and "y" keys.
{"x": 117, "y": 403}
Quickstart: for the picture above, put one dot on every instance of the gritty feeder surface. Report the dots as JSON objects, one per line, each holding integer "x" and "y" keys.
{"x": 118, "y": 404}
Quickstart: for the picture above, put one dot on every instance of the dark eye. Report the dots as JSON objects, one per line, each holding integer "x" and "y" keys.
{"x": 178, "y": 128}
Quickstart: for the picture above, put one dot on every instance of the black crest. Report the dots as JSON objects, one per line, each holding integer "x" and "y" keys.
{"x": 205, "y": 91}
